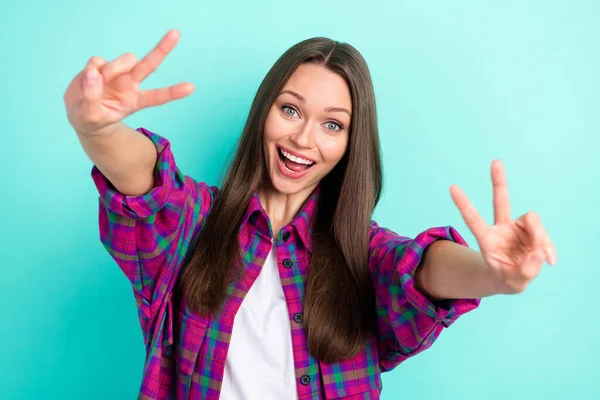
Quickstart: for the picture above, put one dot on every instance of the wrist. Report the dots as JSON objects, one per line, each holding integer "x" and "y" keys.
{"x": 499, "y": 283}
{"x": 105, "y": 131}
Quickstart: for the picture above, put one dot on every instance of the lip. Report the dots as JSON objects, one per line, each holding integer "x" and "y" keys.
{"x": 286, "y": 172}
{"x": 295, "y": 154}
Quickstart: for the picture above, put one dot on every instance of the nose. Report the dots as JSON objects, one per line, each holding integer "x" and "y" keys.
{"x": 304, "y": 137}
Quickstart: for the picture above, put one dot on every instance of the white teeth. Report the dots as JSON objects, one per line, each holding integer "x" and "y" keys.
{"x": 296, "y": 159}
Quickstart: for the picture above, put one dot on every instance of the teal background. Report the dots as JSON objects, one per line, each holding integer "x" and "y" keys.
{"x": 458, "y": 84}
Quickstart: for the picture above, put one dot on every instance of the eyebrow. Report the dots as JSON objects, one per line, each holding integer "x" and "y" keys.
{"x": 303, "y": 100}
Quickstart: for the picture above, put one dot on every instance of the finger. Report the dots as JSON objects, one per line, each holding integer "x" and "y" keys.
{"x": 501, "y": 200}
{"x": 91, "y": 82}
{"x": 156, "y": 97}
{"x": 153, "y": 59}
{"x": 532, "y": 264}
{"x": 550, "y": 250}
{"x": 118, "y": 66}
{"x": 547, "y": 256}
{"x": 537, "y": 236}
{"x": 531, "y": 225}
{"x": 553, "y": 254}
{"x": 473, "y": 219}
{"x": 94, "y": 62}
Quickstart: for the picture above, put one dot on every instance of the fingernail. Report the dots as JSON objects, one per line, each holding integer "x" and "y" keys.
{"x": 537, "y": 256}
{"x": 550, "y": 255}
{"x": 91, "y": 76}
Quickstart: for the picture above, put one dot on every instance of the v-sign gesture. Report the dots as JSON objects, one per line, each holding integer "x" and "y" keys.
{"x": 515, "y": 250}
{"x": 104, "y": 93}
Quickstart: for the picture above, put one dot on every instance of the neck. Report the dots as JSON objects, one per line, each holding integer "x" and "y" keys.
{"x": 281, "y": 208}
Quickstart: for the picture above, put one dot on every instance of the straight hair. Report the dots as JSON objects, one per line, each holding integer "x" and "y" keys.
{"x": 339, "y": 303}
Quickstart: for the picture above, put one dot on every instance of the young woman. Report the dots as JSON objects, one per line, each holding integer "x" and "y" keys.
{"x": 279, "y": 285}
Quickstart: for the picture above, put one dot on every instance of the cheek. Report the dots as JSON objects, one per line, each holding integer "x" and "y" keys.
{"x": 275, "y": 127}
{"x": 333, "y": 149}
{"x": 268, "y": 128}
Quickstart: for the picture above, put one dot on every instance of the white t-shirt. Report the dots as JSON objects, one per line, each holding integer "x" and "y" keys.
{"x": 260, "y": 361}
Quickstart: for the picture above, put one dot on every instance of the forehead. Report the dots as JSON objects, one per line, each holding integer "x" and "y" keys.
{"x": 320, "y": 87}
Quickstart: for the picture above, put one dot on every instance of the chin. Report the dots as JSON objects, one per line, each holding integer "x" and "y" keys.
{"x": 282, "y": 186}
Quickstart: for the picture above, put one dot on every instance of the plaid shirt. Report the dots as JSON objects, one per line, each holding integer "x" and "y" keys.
{"x": 149, "y": 237}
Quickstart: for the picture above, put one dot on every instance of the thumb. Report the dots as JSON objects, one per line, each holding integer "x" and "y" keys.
{"x": 92, "y": 84}
{"x": 532, "y": 264}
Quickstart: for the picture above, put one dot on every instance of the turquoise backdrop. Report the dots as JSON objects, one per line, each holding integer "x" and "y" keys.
{"x": 458, "y": 83}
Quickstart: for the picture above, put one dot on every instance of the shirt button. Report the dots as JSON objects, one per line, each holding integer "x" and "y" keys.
{"x": 298, "y": 317}
{"x": 286, "y": 236}
{"x": 305, "y": 380}
{"x": 287, "y": 263}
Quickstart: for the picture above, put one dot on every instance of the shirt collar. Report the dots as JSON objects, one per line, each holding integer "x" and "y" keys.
{"x": 302, "y": 223}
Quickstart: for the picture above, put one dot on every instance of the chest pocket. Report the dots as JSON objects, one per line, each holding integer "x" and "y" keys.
{"x": 190, "y": 335}
{"x": 355, "y": 378}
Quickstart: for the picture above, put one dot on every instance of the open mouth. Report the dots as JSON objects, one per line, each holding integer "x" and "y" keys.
{"x": 293, "y": 163}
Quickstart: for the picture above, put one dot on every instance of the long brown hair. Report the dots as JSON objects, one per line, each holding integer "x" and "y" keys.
{"x": 339, "y": 303}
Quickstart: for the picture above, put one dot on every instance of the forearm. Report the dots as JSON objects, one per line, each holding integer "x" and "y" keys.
{"x": 126, "y": 157}
{"x": 451, "y": 271}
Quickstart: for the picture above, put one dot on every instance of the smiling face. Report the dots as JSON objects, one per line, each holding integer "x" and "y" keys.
{"x": 306, "y": 130}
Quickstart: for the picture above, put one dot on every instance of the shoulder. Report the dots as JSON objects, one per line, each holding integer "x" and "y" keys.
{"x": 379, "y": 234}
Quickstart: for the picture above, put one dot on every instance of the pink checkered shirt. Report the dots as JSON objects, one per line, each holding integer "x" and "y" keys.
{"x": 149, "y": 237}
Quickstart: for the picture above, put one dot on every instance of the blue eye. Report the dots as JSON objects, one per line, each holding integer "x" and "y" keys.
{"x": 333, "y": 126}
{"x": 289, "y": 111}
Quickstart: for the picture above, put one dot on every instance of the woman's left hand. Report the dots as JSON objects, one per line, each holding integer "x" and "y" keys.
{"x": 515, "y": 250}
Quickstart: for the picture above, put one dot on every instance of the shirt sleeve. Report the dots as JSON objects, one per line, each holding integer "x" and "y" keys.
{"x": 407, "y": 321}
{"x": 148, "y": 235}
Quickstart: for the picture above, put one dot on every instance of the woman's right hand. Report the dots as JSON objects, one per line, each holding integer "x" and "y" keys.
{"x": 112, "y": 91}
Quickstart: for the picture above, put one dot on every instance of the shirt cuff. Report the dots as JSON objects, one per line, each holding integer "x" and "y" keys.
{"x": 141, "y": 206}
{"x": 452, "y": 308}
